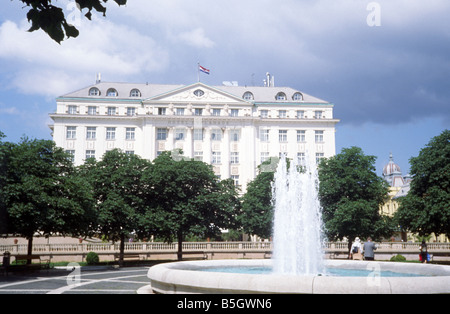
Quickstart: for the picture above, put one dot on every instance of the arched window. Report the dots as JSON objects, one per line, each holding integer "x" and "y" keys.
{"x": 94, "y": 91}
{"x": 297, "y": 97}
{"x": 112, "y": 93}
{"x": 135, "y": 93}
{"x": 281, "y": 96}
{"x": 248, "y": 96}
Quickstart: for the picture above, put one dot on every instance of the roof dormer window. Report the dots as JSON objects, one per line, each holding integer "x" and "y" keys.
{"x": 248, "y": 96}
{"x": 94, "y": 91}
{"x": 112, "y": 93}
{"x": 135, "y": 93}
{"x": 297, "y": 97}
{"x": 281, "y": 96}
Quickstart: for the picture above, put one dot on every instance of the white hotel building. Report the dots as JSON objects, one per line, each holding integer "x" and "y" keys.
{"x": 234, "y": 128}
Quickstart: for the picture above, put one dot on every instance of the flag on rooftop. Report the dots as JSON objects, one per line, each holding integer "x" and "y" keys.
{"x": 202, "y": 69}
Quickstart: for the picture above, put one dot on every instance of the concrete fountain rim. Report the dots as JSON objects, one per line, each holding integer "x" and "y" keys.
{"x": 184, "y": 277}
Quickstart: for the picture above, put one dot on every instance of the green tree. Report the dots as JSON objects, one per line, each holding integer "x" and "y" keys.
{"x": 43, "y": 14}
{"x": 5, "y": 154}
{"x": 44, "y": 193}
{"x": 187, "y": 198}
{"x": 257, "y": 208}
{"x": 120, "y": 194}
{"x": 351, "y": 194}
{"x": 426, "y": 208}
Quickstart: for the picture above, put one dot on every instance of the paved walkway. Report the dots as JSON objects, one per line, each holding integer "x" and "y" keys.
{"x": 77, "y": 281}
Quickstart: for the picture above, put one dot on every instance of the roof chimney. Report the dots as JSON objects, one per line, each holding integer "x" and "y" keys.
{"x": 98, "y": 78}
{"x": 269, "y": 81}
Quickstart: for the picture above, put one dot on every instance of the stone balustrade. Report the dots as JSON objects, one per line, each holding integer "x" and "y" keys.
{"x": 208, "y": 247}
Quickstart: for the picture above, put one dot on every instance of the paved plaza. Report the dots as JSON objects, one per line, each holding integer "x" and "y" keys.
{"x": 100, "y": 280}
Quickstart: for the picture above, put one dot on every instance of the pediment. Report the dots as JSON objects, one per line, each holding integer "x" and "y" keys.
{"x": 197, "y": 93}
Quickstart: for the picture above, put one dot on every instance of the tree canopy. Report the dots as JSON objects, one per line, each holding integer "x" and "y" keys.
{"x": 426, "y": 208}
{"x": 188, "y": 198}
{"x": 44, "y": 193}
{"x": 45, "y": 15}
{"x": 257, "y": 213}
{"x": 351, "y": 194}
{"x": 119, "y": 193}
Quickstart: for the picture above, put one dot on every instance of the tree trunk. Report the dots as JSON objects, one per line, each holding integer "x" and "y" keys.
{"x": 30, "y": 249}
{"x": 180, "y": 246}
{"x": 121, "y": 249}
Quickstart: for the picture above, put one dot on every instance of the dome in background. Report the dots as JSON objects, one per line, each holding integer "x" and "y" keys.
{"x": 391, "y": 168}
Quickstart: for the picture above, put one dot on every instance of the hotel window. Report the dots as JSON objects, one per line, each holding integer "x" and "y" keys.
{"x": 130, "y": 134}
{"x": 161, "y": 134}
{"x": 129, "y": 152}
{"x": 94, "y": 91}
{"x": 91, "y": 133}
{"x": 110, "y": 134}
{"x": 90, "y": 154}
{"x": 216, "y": 112}
{"x": 179, "y": 112}
{"x": 234, "y": 158}
{"x": 300, "y": 114}
{"x": 319, "y": 136}
{"x": 236, "y": 180}
{"x": 198, "y": 112}
{"x": 281, "y": 96}
{"x": 319, "y": 157}
{"x": 264, "y": 114}
{"x": 235, "y": 135}
{"x": 112, "y": 111}
{"x": 180, "y": 134}
{"x": 135, "y": 93}
{"x": 131, "y": 111}
{"x": 112, "y": 93}
{"x": 216, "y": 158}
{"x": 264, "y": 135}
{"x": 72, "y": 155}
{"x": 301, "y": 158}
{"x": 264, "y": 156}
{"x": 234, "y": 113}
{"x": 301, "y": 136}
{"x": 161, "y": 111}
{"x": 198, "y": 156}
{"x": 282, "y": 136}
{"x": 282, "y": 114}
{"x": 72, "y": 110}
{"x": 216, "y": 135}
{"x": 198, "y": 134}
{"x": 92, "y": 110}
{"x": 71, "y": 132}
{"x": 318, "y": 114}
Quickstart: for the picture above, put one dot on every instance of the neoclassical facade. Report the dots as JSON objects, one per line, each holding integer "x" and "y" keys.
{"x": 234, "y": 128}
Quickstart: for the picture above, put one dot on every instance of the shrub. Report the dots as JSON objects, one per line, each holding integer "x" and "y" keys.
{"x": 398, "y": 258}
{"x": 92, "y": 258}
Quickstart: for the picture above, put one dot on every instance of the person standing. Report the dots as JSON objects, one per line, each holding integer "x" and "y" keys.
{"x": 356, "y": 250}
{"x": 369, "y": 250}
{"x": 423, "y": 252}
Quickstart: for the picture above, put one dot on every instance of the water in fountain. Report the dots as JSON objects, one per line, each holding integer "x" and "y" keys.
{"x": 297, "y": 233}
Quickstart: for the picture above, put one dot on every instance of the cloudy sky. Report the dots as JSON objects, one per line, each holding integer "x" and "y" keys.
{"x": 384, "y": 64}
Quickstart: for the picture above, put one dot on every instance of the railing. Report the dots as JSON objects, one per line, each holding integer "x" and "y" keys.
{"x": 207, "y": 247}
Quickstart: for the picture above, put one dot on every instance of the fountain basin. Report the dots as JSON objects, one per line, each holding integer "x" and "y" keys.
{"x": 187, "y": 277}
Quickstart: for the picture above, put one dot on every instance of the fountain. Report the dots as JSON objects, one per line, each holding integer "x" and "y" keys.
{"x": 297, "y": 232}
{"x": 297, "y": 265}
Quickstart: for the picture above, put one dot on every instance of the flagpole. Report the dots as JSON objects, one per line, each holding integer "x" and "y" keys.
{"x": 198, "y": 71}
